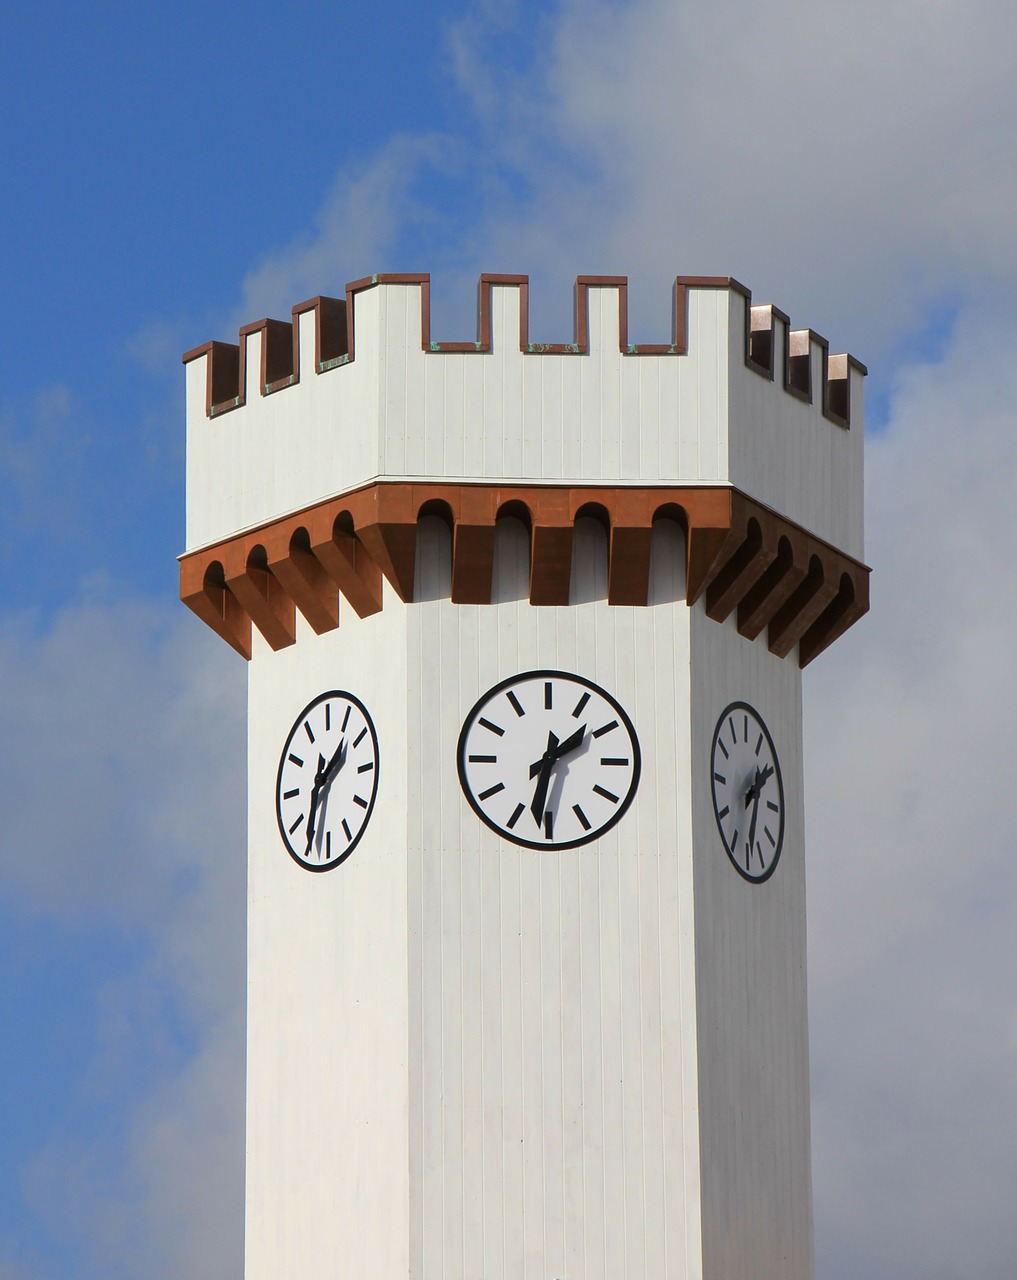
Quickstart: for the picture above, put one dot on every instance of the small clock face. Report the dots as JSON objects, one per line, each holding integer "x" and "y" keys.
{"x": 748, "y": 791}
{"x": 548, "y": 760}
{"x": 328, "y": 780}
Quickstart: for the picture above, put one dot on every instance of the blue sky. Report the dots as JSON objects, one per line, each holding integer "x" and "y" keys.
{"x": 175, "y": 171}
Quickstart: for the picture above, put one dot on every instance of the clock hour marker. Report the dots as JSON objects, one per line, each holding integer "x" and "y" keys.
{"x": 366, "y": 768}
{"x": 727, "y": 754}
{"x": 774, "y": 807}
{"x": 328, "y": 716}
{"x": 296, "y": 824}
{"x": 608, "y": 795}
{"x": 581, "y": 816}
{"x": 719, "y": 777}
{"x": 734, "y": 839}
{"x": 579, "y": 706}
{"x": 759, "y": 744}
{"x": 517, "y": 813}
{"x": 308, "y": 730}
{"x": 328, "y": 844}
{"x": 605, "y": 728}
{"x": 346, "y": 719}
{"x": 483, "y": 759}
{"x": 614, "y": 760}
{"x": 494, "y": 728}
{"x": 746, "y": 728}
{"x": 288, "y": 795}
{"x": 517, "y": 706}
{"x": 295, "y": 760}
{"x": 734, "y": 731}
{"x": 360, "y": 736}
{"x": 361, "y": 801}
{"x": 346, "y": 828}
{"x": 491, "y": 791}
{"x": 548, "y": 824}
{"x": 547, "y": 695}
{"x": 769, "y": 836}
{"x": 724, "y": 812}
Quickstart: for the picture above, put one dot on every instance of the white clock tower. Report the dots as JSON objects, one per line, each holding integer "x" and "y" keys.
{"x": 526, "y": 895}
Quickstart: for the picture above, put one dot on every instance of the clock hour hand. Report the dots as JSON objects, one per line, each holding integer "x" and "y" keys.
{"x": 542, "y": 770}
{"x": 571, "y": 743}
{"x": 336, "y": 763}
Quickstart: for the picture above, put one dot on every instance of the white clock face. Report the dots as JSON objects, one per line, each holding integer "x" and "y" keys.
{"x": 328, "y": 780}
{"x": 548, "y": 760}
{"x": 748, "y": 791}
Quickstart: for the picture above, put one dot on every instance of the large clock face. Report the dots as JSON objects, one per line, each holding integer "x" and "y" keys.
{"x": 328, "y": 780}
{"x": 748, "y": 791}
{"x": 548, "y": 760}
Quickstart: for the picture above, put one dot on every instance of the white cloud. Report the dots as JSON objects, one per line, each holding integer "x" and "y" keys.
{"x": 913, "y": 875}
{"x": 123, "y": 764}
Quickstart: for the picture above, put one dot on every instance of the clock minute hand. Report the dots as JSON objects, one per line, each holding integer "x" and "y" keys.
{"x": 542, "y": 770}
{"x": 319, "y": 782}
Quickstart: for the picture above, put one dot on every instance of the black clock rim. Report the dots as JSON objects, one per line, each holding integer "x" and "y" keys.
{"x": 336, "y": 862}
{"x": 549, "y": 846}
{"x": 747, "y": 706}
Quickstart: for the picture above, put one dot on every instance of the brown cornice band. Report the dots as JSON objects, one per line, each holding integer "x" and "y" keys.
{"x": 335, "y": 339}
{"x": 741, "y": 555}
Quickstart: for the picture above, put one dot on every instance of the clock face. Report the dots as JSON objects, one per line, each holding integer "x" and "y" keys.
{"x": 748, "y": 791}
{"x": 548, "y": 760}
{"x": 328, "y": 780}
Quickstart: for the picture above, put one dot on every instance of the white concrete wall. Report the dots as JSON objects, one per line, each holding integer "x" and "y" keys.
{"x": 327, "y": 1050}
{"x": 553, "y": 1036}
{"x": 398, "y": 412}
{"x": 751, "y": 989}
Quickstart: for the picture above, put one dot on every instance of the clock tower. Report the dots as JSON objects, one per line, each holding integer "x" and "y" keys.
{"x": 525, "y": 626}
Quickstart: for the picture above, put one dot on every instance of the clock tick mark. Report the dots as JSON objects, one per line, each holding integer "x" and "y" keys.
{"x": 288, "y": 795}
{"x": 727, "y": 754}
{"x": 328, "y": 844}
{"x": 366, "y": 768}
{"x": 296, "y": 824}
{"x": 605, "y": 728}
{"x": 547, "y": 695}
{"x": 295, "y": 760}
{"x": 328, "y": 716}
{"x": 346, "y": 828}
{"x": 494, "y": 728}
{"x": 346, "y": 718}
{"x": 746, "y": 729}
{"x": 759, "y": 744}
{"x": 769, "y": 835}
{"x": 361, "y": 801}
{"x": 724, "y": 812}
{"x": 774, "y": 807}
{"x": 581, "y": 816}
{"x": 360, "y": 736}
{"x": 579, "y": 706}
{"x": 734, "y": 731}
{"x": 719, "y": 777}
{"x": 308, "y": 730}
{"x": 517, "y": 813}
{"x": 622, "y": 760}
{"x": 608, "y": 795}
{"x": 517, "y": 706}
{"x": 491, "y": 791}
{"x": 483, "y": 759}
{"x": 548, "y": 825}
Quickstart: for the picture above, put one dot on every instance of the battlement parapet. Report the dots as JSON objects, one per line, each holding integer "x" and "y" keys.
{"x": 737, "y": 397}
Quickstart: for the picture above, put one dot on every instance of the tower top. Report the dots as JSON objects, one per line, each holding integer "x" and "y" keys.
{"x": 739, "y": 418}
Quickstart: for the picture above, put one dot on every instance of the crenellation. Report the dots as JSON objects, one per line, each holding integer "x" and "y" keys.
{"x": 750, "y": 406}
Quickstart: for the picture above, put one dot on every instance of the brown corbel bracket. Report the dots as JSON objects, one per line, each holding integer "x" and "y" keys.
{"x": 740, "y": 556}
